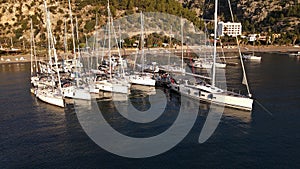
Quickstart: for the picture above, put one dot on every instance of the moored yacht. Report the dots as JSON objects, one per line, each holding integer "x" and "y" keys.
{"x": 211, "y": 93}
{"x": 208, "y": 93}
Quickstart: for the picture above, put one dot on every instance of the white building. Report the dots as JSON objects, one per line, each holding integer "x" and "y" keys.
{"x": 252, "y": 37}
{"x": 229, "y": 28}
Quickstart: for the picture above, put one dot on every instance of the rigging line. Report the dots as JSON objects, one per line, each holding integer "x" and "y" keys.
{"x": 263, "y": 107}
{"x": 245, "y": 80}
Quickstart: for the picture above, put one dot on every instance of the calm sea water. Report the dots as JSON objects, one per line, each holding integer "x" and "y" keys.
{"x": 36, "y": 135}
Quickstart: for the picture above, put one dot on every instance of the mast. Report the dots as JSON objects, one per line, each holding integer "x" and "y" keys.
{"x": 90, "y": 58}
{"x": 245, "y": 81}
{"x": 77, "y": 35}
{"x": 213, "y": 83}
{"x": 72, "y": 28}
{"x": 109, "y": 36}
{"x": 103, "y": 46}
{"x": 170, "y": 49}
{"x": 142, "y": 42}
{"x": 118, "y": 46}
{"x": 65, "y": 37}
{"x": 47, "y": 26}
{"x": 120, "y": 39}
{"x": 49, "y": 37}
{"x": 56, "y": 60}
{"x": 181, "y": 26}
{"x": 52, "y": 46}
{"x": 47, "y": 16}
{"x": 32, "y": 50}
{"x": 94, "y": 43}
{"x": 205, "y": 40}
{"x": 31, "y": 46}
{"x": 77, "y": 81}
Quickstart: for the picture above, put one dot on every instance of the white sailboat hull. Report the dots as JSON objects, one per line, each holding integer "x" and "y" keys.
{"x": 76, "y": 93}
{"x": 238, "y": 102}
{"x": 207, "y": 65}
{"x": 141, "y": 80}
{"x": 211, "y": 93}
{"x": 252, "y": 57}
{"x": 82, "y": 93}
{"x": 94, "y": 89}
{"x": 173, "y": 69}
{"x": 68, "y": 91}
{"x": 223, "y": 98}
{"x": 51, "y": 98}
{"x": 112, "y": 87}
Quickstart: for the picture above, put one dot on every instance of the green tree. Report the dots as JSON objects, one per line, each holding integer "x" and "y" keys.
{"x": 90, "y": 25}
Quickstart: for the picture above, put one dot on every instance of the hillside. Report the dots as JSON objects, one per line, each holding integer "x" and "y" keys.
{"x": 256, "y": 16}
{"x": 272, "y": 16}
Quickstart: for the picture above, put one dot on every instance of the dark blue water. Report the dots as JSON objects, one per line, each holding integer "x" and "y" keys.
{"x": 36, "y": 135}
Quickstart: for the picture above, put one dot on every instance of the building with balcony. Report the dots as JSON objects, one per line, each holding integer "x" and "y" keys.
{"x": 229, "y": 28}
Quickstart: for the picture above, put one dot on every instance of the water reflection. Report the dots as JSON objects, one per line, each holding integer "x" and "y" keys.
{"x": 295, "y": 58}
{"x": 14, "y": 67}
{"x": 239, "y": 115}
{"x": 41, "y": 107}
{"x": 108, "y": 96}
{"x": 146, "y": 90}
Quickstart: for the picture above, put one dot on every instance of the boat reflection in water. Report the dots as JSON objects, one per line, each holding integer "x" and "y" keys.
{"x": 146, "y": 90}
{"x": 109, "y": 96}
{"x": 240, "y": 115}
{"x": 42, "y": 106}
{"x": 228, "y": 113}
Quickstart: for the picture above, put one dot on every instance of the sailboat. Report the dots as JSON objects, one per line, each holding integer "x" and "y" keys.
{"x": 112, "y": 84}
{"x": 82, "y": 88}
{"x": 209, "y": 92}
{"x": 204, "y": 64}
{"x": 78, "y": 89}
{"x": 142, "y": 78}
{"x": 252, "y": 56}
{"x": 33, "y": 66}
{"x": 207, "y": 61}
{"x": 50, "y": 94}
{"x": 175, "y": 68}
